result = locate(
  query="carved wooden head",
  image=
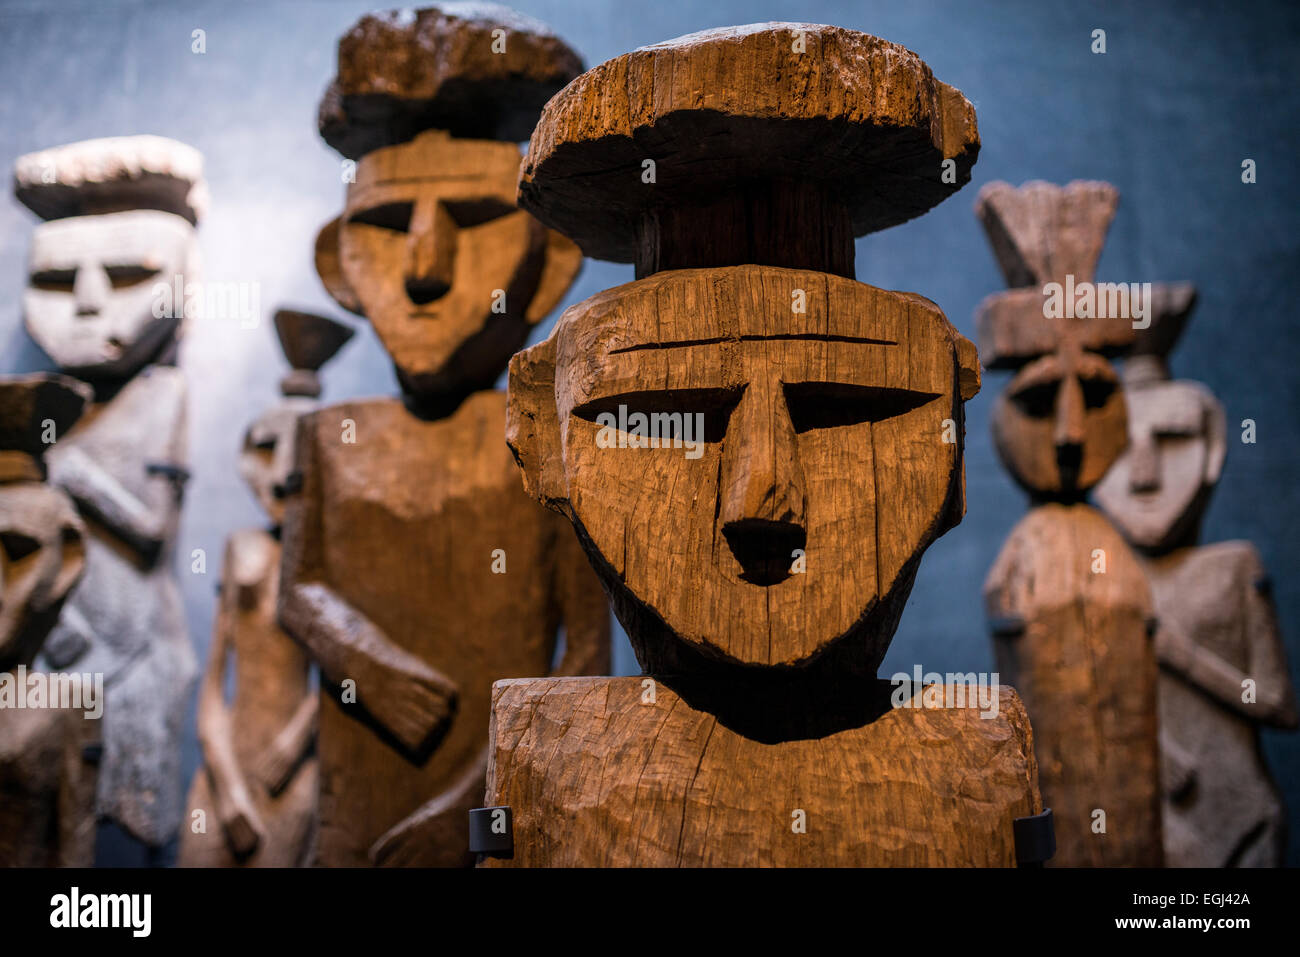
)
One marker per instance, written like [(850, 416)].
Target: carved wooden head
[(794, 474), (1161, 485), (1157, 491), (42, 551), (121, 217), (91, 300), (266, 461), (1060, 422), (754, 448), (432, 250)]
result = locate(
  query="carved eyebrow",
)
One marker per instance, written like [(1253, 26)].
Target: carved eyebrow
[(789, 336)]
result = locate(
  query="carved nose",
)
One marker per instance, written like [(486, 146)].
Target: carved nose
[(430, 253), (761, 514), (1069, 428), (1068, 433), (90, 289), (1143, 466)]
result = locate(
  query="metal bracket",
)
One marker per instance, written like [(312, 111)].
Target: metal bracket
[(1035, 839), (492, 831)]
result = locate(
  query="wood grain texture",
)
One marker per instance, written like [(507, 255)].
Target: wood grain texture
[(125, 619), (47, 775), (113, 174), (815, 426), (479, 71), (597, 776), (859, 120), (1068, 601), (47, 787), (431, 250), (1041, 231), (415, 569), (1223, 677), (388, 581), (1081, 655), (257, 790), (1223, 672), (755, 451), (256, 794)]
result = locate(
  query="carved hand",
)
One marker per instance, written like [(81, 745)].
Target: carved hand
[(435, 834), (276, 765), (412, 700), (239, 819), (142, 527)]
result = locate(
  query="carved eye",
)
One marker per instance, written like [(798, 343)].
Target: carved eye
[(54, 280), (1097, 392), (1037, 401), (666, 410), (392, 216), (18, 546), (127, 275), (476, 212), (829, 405)]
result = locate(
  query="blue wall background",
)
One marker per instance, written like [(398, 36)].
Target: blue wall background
[(1184, 93)]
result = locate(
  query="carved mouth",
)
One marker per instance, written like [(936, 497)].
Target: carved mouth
[(765, 549), (1069, 460)]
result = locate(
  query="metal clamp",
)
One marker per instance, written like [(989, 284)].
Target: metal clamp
[(492, 831), (1035, 839)]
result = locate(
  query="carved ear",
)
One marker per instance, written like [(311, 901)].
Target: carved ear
[(330, 268), (72, 562), (968, 367), (1216, 438), (968, 384), (561, 266), (532, 426)]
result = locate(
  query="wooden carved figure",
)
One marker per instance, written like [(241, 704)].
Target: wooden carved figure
[(1223, 668), (416, 570), (105, 299), (755, 450), (1069, 604), (257, 789), (49, 725)]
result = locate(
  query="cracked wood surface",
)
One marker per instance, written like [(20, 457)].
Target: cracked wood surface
[(596, 776)]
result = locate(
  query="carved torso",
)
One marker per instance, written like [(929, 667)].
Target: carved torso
[(598, 774), (270, 669), (271, 675), (127, 613), (1224, 809), (410, 516), (1074, 641)]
